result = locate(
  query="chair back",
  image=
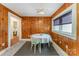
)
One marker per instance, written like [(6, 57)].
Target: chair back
[(36, 40)]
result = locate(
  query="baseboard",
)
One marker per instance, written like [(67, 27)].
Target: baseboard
[(12, 50), (26, 39), (1, 52), (59, 50)]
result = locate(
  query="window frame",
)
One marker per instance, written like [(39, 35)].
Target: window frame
[(73, 34), (61, 23)]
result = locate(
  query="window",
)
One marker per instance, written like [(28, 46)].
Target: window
[(56, 24), (67, 22), (67, 28), (64, 23), (56, 28)]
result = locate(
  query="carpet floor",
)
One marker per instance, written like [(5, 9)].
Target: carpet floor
[(25, 50)]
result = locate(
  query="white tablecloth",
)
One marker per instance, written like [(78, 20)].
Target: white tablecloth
[(46, 38)]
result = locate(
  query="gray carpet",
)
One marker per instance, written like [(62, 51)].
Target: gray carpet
[(26, 51)]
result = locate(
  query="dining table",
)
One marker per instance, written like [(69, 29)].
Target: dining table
[(45, 38), (40, 39)]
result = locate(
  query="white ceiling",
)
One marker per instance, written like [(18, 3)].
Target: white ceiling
[(29, 9)]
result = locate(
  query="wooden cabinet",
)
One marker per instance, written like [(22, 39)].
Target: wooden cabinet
[(3, 27)]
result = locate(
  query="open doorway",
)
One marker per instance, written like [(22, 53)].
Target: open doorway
[(14, 29)]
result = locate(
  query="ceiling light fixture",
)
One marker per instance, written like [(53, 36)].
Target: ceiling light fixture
[(40, 11)]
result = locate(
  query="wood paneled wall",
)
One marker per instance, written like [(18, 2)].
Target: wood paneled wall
[(4, 26), (67, 44), (32, 25)]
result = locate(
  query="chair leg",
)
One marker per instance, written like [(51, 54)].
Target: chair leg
[(31, 46), (40, 48), (34, 48), (48, 44)]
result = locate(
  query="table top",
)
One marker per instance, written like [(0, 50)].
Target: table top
[(41, 36)]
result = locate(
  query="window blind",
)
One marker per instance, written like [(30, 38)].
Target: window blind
[(67, 18), (64, 19), (57, 22)]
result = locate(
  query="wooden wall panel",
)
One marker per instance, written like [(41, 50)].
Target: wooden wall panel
[(63, 42), (1, 15), (32, 25), (67, 44), (4, 26), (26, 23)]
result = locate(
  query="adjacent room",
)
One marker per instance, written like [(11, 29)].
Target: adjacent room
[(39, 29)]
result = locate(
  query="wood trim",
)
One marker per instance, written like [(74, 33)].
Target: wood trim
[(77, 41), (36, 16)]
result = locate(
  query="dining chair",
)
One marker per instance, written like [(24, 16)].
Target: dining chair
[(34, 43), (46, 41)]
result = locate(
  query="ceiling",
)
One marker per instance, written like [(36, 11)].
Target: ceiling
[(30, 9)]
